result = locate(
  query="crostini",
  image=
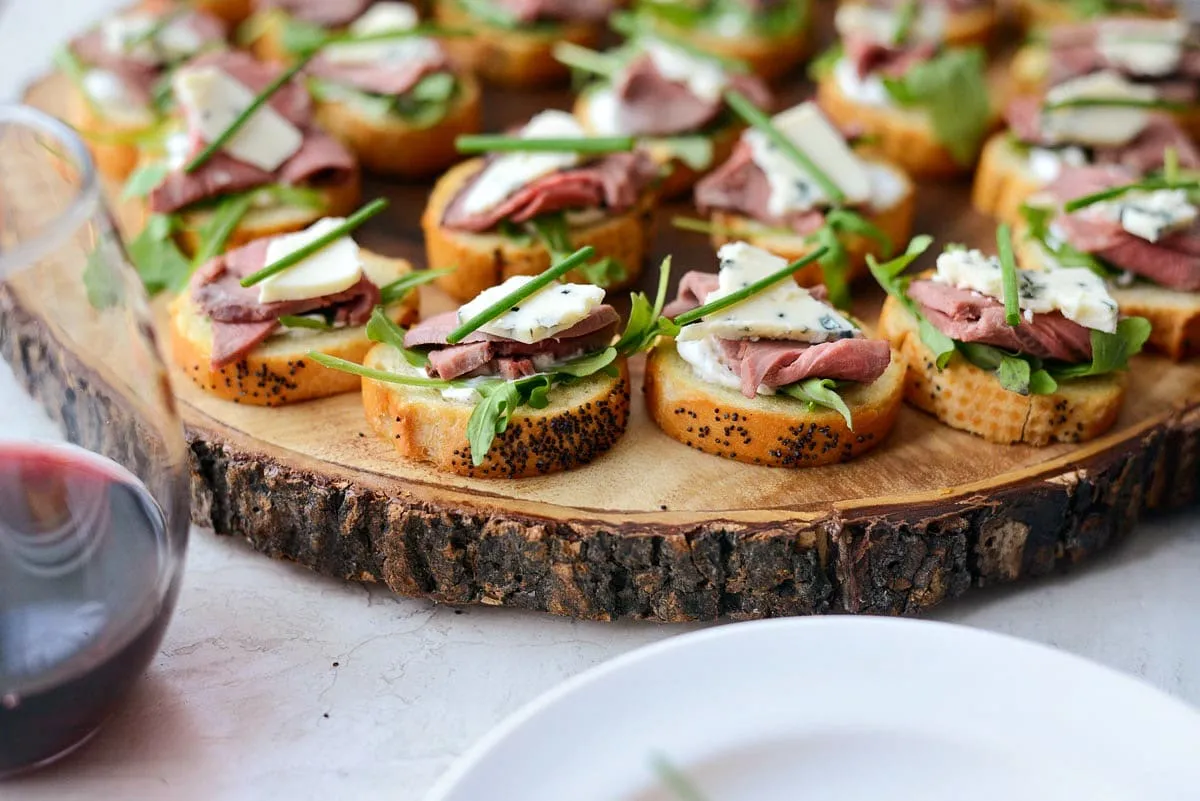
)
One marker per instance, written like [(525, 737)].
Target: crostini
[(231, 12), (923, 106), (283, 30), (526, 379), (398, 103), (1094, 119), (960, 23), (118, 72), (814, 192), (781, 379), (1010, 355), (512, 41), (541, 193), (1161, 57), (771, 36), (1143, 234), (1036, 14), (252, 344), (668, 95), (245, 163)]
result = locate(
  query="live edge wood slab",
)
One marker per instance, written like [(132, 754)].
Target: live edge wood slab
[(655, 530)]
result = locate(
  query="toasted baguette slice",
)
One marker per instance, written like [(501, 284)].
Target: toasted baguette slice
[(279, 371), (1174, 315), (392, 146), (1033, 14), (776, 431), (895, 222), (484, 260), (583, 420), (111, 144), (512, 58), (902, 136), (1003, 181), (231, 11), (339, 200), (970, 399), (677, 176)]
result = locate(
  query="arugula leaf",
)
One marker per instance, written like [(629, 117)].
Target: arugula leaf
[(554, 233), (220, 226), (585, 366), (889, 273), (381, 328), (100, 280), (491, 416), (1042, 383), (300, 196), (144, 179), (646, 323), (299, 37), (514, 233), (941, 345), (605, 272), (953, 91), (820, 392), (157, 258), (315, 323), (1110, 352), (823, 65), (427, 103), (397, 290), (836, 262)]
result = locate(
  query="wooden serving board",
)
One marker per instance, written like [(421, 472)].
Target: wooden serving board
[(656, 530)]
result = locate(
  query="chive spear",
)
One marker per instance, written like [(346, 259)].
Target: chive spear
[(295, 257), (1008, 276), (1117, 191), (519, 294), (586, 59), (745, 292), (216, 144), (757, 118), (497, 143), (353, 368), (1114, 102)]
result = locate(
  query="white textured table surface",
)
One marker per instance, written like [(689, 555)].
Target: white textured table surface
[(275, 683)]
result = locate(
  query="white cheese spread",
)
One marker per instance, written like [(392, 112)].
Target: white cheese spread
[(704, 358), (867, 91)]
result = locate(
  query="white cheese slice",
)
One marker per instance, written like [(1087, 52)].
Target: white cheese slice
[(386, 17), (881, 24), (332, 269), (1151, 48), (784, 311), (128, 35), (1077, 292), (1153, 215), (542, 315), (793, 188), (211, 100), (1096, 125), (704, 77), (509, 172), (116, 102)]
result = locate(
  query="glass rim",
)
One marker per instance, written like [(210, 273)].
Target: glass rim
[(27, 253)]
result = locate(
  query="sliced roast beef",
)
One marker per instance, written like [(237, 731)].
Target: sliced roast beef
[(694, 287), (777, 363), (528, 11), (740, 186), (1142, 154), (327, 13), (321, 159), (871, 57), (650, 104), (484, 354), (971, 317), (387, 78), (240, 322), (613, 182)]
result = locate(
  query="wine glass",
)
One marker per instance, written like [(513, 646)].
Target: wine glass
[(93, 499)]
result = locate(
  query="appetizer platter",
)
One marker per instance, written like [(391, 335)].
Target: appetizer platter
[(682, 345)]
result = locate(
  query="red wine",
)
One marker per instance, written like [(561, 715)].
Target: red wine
[(86, 589)]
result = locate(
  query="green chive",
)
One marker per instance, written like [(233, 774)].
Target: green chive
[(210, 150), (1008, 275), (585, 59), (1116, 102), (312, 323), (354, 221), (334, 363), (1171, 165), (516, 296), (496, 143), (745, 292), (387, 36), (757, 118), (397, 290), (1116, 191), (705, 227), (906, 18)]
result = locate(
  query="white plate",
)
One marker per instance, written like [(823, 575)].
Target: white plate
[(841, 709)]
